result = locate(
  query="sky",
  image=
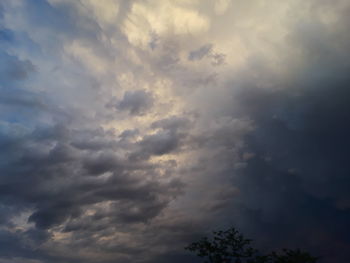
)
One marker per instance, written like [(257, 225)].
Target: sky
[(130, 128)]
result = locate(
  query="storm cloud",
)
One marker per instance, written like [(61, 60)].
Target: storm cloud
[(129, 129), (136, 102)]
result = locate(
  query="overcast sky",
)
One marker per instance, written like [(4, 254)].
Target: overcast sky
[(129, 128)]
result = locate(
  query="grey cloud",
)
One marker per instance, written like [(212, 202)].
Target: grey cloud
[(171, 134), (60, 186), (201, 52), (294, 184), (217, 59), (57, 162), (101, 164), (22, 246), (154, 41), (160, 143), (136, 102), (129, 134), (173, 123), (272, 160), (11, 68)]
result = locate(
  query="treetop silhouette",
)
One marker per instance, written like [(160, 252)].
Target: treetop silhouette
[(230, 246)]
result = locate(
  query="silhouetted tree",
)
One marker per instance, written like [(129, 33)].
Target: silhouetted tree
[(291, 256), (230, 246)]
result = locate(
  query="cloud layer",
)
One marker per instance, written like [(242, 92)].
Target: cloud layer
[(130, 128)]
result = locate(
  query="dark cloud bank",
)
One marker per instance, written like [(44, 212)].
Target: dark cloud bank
[(292, 179)]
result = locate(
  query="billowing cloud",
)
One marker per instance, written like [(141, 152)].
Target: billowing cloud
[(130, 128)]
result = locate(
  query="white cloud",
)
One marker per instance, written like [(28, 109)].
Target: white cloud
[(165, 18)]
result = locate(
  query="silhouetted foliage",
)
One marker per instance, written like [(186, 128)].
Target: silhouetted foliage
[(230, 246), (292, 256)]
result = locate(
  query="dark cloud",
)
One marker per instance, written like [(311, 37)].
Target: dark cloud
[(160, 143), (301, 144), (154, 41), (6, 35), (173, 123), (201, 52), (11, 68), (171, 135), (217, 59), (135, 102), (61, 163), (22, 244), (293, 180), (61, 186), (269, 156)]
